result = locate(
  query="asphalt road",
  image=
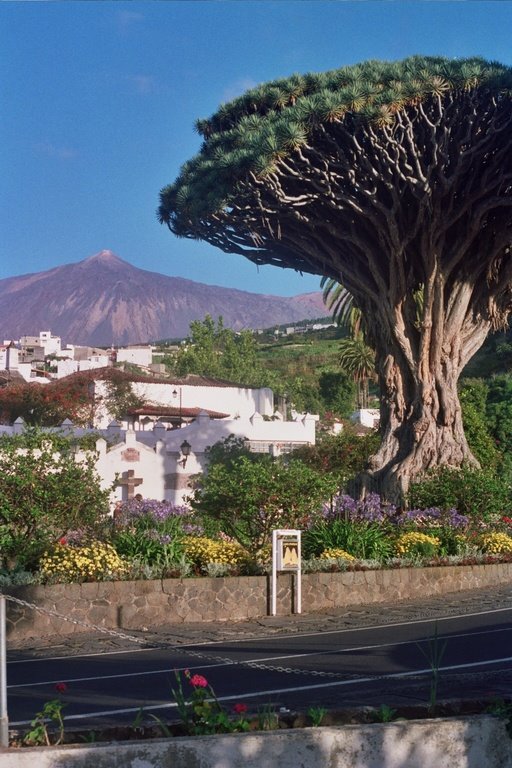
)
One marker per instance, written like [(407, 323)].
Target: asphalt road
[(304, 666)]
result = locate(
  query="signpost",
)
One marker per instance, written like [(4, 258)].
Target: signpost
[(4, 720), (286, 556)]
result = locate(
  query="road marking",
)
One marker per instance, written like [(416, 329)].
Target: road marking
[(282, 636), (264, 660), (259, 660), (275, 691)]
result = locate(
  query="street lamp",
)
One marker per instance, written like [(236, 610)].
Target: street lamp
[(185, 449), (91, 391), (175, 394)]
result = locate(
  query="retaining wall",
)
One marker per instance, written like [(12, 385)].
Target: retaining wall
[(143, 604), (472, 742)]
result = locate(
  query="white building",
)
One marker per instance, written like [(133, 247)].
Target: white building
[(142, 355), (160, 464), (9, 356), (39, 347), (183, 399)]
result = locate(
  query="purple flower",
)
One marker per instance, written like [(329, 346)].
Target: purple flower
[(131, 511), (371, 509)]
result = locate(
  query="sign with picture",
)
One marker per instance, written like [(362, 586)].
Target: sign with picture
[(286, 557)]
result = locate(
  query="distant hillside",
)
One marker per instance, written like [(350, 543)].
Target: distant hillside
[(104, 300)]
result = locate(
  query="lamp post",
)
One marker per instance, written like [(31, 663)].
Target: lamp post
[(175, 394), (91, 391), (185, 449)]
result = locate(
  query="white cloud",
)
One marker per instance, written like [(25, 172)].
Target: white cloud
[(51, 150), (237, 88), (126, 19), (143, 83)]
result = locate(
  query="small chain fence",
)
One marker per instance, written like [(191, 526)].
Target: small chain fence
[(175, 648), (185, 650), (201, 656)]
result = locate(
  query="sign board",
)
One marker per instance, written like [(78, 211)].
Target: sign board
[(288, 553), (286, 557)]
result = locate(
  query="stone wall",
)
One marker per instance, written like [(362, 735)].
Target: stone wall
[(471, 742), (138, 604)]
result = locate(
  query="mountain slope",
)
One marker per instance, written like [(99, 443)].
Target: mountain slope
[(104, 300)]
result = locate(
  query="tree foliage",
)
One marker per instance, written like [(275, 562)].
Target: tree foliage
[(392, 178), (44, 493), (251, 496), (345, 454), (213, 350), (46, 405)]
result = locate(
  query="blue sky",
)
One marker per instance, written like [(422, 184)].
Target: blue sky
[(99, 101)]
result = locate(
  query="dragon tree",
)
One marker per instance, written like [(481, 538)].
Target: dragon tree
[(394, 179)]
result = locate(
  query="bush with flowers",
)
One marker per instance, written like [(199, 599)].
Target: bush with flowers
[(416, 543), (496, 543), (361, 528), (150, 532), (447, 525), (335, 553), (92, 562), (200, 710), (201, 551)]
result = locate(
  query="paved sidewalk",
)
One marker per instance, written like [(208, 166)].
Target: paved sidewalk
[(452, 604)]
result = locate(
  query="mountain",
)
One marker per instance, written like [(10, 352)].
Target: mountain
[(103, 300)]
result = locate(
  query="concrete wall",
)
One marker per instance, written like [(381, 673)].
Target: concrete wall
[(472, 742), (138, 604)]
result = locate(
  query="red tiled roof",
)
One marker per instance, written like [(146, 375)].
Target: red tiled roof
[(168, 410)]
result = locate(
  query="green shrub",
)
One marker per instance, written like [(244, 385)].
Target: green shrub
[(366, 541), (250, 498), (345, 454), (44, 493), (479, 494)]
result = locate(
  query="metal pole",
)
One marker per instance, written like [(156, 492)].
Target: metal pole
[(273, 587), (298, 592), (4, 719)]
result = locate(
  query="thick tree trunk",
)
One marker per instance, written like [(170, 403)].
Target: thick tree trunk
[(421, 418)]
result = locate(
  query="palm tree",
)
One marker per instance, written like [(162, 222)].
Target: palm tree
[(357, 357), (341, 303), (358, 360)]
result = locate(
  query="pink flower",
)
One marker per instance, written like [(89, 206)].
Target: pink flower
[(240, 708), (61, 687), (198, 681)]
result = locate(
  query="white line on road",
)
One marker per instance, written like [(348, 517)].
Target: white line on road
[(258, 660), (281, 636), (275, 691)]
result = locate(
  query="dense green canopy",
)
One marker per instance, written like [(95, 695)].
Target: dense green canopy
[(246, 138)]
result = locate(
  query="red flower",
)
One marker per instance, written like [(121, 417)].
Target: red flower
[(240, 708), (63, 540), (61, 687), (198, 681)]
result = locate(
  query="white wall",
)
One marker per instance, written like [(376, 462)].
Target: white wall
[(156, 457), (136, 355), (236, 402)]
